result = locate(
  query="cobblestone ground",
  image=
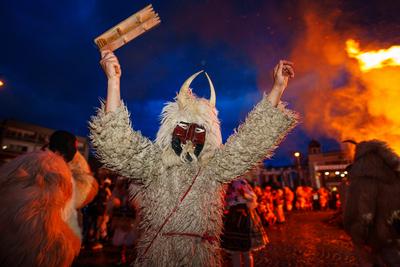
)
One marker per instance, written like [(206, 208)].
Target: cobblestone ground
[(305, 240)]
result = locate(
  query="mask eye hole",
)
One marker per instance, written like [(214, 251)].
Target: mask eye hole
[(199, 130), (183, 125)]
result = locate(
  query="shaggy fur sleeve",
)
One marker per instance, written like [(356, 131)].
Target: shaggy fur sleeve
[(256, 138), (359, 212), (121, 148)]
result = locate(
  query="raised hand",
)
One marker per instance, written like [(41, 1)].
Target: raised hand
[(282, 73), (112, 69), (109, 63)]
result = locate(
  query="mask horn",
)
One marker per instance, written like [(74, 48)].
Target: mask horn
[(185, 86), (213, 98), (350, 141)]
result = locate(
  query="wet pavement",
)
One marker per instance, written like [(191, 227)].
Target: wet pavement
[(305, 240)]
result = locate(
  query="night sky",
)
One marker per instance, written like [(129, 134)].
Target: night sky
[(50, 63)]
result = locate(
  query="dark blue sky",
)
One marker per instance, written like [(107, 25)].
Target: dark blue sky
[(50, 64)]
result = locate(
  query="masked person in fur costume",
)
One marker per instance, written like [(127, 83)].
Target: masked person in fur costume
[(372, 208), (184, 170), (40, 194)]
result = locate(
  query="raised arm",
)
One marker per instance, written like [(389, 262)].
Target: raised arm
[(117, 145), (109, 63), (264, 128)]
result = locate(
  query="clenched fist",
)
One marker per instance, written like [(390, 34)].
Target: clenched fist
[(109, 63), (282, 72)]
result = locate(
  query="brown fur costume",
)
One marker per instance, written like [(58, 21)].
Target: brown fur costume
[(372, 207), (85, 184), (37, 212)]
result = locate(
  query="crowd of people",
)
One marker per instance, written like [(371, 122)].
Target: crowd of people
[(102, 210), (178, 181), (274, 202), (112, 218)]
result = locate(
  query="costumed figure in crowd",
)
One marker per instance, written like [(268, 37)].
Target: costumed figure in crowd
[(182, 173), (41, 192), (308, 196), (270, 216), (95, 213), (243, 231), (261, 207), (372, 208), (279, 200), (334, 200), (289, 197), (301, 196), (315, 200), (259, 193), (323, 194), (123, 213)]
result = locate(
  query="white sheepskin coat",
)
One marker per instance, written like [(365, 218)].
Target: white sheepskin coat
[(165, 178)]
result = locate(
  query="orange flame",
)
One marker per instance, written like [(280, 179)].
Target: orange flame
[(338, 98), (373, 59)]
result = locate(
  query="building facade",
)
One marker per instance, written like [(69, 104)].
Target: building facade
[(275, 176), (18, 137), (317, 169), (326, 169)]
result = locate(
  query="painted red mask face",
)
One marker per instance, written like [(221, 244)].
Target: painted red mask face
[(193, 132)]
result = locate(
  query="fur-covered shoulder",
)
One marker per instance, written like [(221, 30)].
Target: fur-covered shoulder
[(79, 164), (34, 189), (86, 186), (42, 167), (379, 148), (375, 159)]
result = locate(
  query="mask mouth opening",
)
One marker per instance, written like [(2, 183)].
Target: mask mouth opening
[(188, 152), (188, 141), (188, 157)]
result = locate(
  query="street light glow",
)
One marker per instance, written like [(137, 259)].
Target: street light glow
[(296, 154), (1, 83)]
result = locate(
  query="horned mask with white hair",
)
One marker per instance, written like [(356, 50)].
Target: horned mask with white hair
[(190, 129)]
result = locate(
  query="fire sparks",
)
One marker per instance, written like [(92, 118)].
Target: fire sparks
[(373, 59)]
